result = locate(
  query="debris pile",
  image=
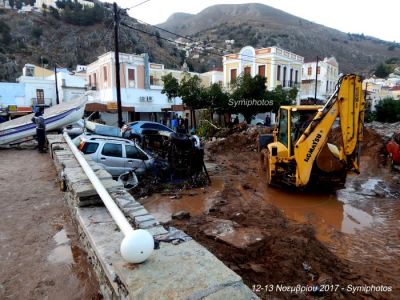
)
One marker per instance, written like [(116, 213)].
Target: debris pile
[(386, 130), (246, 139)]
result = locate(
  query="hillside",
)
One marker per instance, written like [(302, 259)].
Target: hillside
[(48, 39), (262, 26)]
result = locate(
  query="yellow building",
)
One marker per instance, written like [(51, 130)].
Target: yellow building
[(35, 71), (278, 66)]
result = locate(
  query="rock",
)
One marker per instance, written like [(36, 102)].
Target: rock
[(181, 215)]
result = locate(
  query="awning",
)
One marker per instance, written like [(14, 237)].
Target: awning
[(101, 107), (179, 107)]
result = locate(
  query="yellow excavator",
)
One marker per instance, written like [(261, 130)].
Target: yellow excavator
[(300, 156)]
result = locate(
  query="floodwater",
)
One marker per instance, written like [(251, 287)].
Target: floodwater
[(196, 201), (357, 223)]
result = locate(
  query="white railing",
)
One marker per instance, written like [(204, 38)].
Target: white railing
[(137, 245)]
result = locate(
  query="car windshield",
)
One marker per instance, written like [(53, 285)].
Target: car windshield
[(155, 126)]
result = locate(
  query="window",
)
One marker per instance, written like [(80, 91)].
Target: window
[(90, 80), (261, 71), (105, 73), (135, 153), (247, 70), (283, 127), (291, 78), (296, 76), (318, 70), (131, 77), (114, 150), (95, 80), (40, 96), (309, 71), (278, 75), (155, 126), (131, 74), (151, 80), (284, 76), (233, 75), (327, 86), (90, 148)]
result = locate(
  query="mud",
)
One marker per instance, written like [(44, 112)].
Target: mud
[(40, 253), (271, 236)]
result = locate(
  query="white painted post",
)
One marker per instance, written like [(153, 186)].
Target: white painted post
[(137, 245)]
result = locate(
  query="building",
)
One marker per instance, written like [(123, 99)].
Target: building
[(278, 66), (328, 76), (378, 89), (36, 88), (213, 76), (141, 87)]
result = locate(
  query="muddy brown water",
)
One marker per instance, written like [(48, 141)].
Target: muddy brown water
[(360, 224), (40, 254)]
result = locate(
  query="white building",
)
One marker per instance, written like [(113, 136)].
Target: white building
[(328, 76)]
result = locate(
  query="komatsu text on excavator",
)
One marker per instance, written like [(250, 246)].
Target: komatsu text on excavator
[(300, 155)]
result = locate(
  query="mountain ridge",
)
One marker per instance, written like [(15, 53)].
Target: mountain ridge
[(261, 26)]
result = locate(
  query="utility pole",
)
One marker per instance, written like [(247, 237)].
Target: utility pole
[(316, 81), (117, 71), (55, 75)]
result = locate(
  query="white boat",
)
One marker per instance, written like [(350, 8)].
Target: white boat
[(55, 117)]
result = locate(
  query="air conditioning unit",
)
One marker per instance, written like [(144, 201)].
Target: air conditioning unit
[(142, 99), (149, 99)]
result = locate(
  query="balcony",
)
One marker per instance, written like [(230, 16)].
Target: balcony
[(290, 84), (41, 101)]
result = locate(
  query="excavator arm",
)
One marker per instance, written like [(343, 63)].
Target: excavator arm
[(348, 104)]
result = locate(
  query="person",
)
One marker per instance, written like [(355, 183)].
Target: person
[(174, 124), (38, 119), (268, 121), (236, 120), (186, 123)]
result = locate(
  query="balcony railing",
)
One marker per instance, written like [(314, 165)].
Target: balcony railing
[(41, 101), (290, 84)]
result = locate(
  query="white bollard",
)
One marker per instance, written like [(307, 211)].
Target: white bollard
[(137, 245)]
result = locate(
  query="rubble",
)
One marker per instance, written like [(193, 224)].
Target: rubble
[(386, 130)]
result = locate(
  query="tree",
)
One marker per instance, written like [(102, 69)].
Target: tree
[(191, 91), (215, 99), (280, 96), (171, 86), (247, 95), (382, 70), (388, 110)]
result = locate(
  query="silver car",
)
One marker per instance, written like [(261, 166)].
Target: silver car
[(116, 155)]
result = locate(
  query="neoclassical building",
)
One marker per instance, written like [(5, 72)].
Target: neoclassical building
[(280, 67)]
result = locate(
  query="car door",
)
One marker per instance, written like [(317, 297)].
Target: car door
[(135, 159), (111, 157)]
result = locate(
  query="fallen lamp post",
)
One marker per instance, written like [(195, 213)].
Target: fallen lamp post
[(138, 244)]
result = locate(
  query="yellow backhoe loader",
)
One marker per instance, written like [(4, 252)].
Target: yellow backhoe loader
[(300, 155)]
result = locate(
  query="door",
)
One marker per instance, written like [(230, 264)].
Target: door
[(40, 97), (135, 159), (112, 159)]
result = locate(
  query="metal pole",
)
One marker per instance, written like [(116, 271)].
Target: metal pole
[(55, 74), (117, 71), (316, 82), (137, 245)]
